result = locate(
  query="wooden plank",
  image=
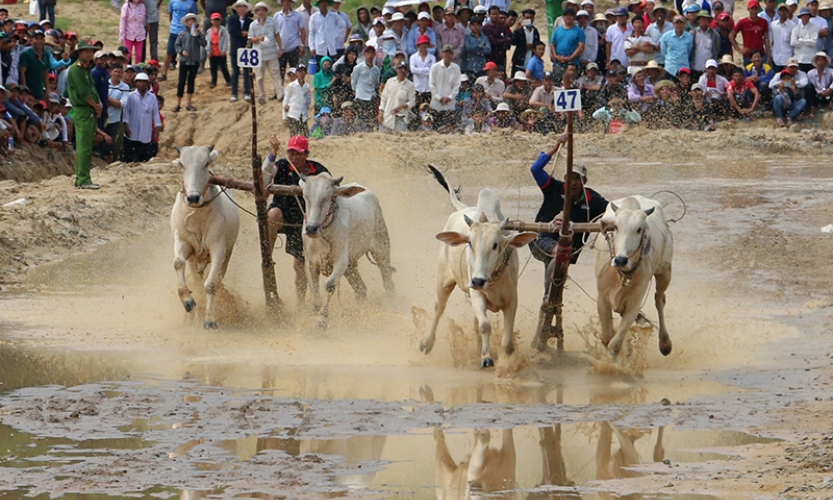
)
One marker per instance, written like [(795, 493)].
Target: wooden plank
[(249, 186), (550, 228)]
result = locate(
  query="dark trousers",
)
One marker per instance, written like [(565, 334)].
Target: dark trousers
[(297, 127), (236, 72), (152, 40), (814, 99), (135, 151), (746, 99), (187, 74), (444, 119), (289, 60), (807, 68), (47, 10), (218, 63)]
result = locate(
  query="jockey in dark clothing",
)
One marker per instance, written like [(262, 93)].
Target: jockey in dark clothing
[(587, 205)]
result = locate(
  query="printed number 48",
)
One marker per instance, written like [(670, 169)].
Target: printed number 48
[(562, 100), (249, 57)]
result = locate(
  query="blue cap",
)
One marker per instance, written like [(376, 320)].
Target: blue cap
[(32, 24), (691, 8), (804, 11), (622, 11), (326, 110)]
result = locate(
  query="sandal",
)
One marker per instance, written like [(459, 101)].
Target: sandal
[(162, 78), (177, 109), (191, 108)]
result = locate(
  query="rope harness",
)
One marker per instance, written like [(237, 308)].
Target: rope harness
[(498, 272), (202, 193), (625, 278)]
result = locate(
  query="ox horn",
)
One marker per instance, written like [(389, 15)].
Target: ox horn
[(504, 223), (211, 148), (614, 207), (483, 217), (468, 220), (337, 182), (178, 149)]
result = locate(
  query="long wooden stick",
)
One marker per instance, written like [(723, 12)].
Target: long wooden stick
[(250, 187), (551, 228)]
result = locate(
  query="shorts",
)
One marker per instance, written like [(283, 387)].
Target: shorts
[(294, 245), (171, 51)]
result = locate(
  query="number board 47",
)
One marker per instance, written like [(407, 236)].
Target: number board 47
[(567, 100)]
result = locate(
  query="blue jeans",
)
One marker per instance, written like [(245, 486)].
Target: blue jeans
[(794, 110), (237, 72), (47, 10)]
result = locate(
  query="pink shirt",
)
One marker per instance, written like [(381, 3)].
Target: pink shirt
[(132, 23)]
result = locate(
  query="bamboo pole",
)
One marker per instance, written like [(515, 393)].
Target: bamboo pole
[(249, 186), (549, 227)]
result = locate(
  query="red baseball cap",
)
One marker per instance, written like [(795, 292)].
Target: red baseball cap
[(490, 65), (216, 15), (423, 39), (298, 143), (683, 70), (753, 4), (724, 15), (785, 72)]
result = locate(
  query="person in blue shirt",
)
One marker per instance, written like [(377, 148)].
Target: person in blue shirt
[(176, 11), (566, 45), (676, 47), (535, 66), (587, 204)]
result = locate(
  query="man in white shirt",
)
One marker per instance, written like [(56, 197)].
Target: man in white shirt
[(116, 100), (293, 32), (492, 83), (616, 35), (780, 33), (296, 103), (348, 25), (444, 81), (820, 22), (324, 28), (265, 36), (658, 28), (803, 40), (141, 120), (591, 38), (421, 63), (638, 46), (398, 97), (365, 80)]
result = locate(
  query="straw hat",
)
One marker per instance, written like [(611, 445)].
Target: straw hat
[(263, 5), (600, 17), (190, 16), (664, 84), (528, 112), (820, 54), (246, 4), (727, 59), (652, 65)]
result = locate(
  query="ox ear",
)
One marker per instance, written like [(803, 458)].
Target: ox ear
[(213, 155), (614, 207), (302, 181), (452, 238), (337, 182), (468, 220), (349, 191), (178, 163), (649, 211), (519, 240)]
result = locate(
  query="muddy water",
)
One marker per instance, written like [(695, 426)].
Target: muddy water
[(155, 406)]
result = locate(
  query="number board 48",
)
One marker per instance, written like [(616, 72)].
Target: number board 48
[(248, 58), (567, 100)]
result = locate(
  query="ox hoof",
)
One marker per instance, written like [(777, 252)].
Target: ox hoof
[(322, 324), (510, 349), (486, 363), (189, 304), (665, 348), (210, 325), (425, 346)]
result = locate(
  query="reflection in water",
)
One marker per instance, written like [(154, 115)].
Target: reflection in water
[(489, 472)]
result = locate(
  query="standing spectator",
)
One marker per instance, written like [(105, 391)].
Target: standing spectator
[(676, 47), (342, 36), (152, 29), (638, 46), (47, 8), (177, 9), (375, 37), (324, 28), (787, 99), (803, 40), (535, 67), (365, 81), (820, 86), (769, 13), (743, 96), (492, 83), (293, 32), (476, 48), (132, 32), (116, 100), (306, 10), (188, 44), (600, 22), (658, 28), (518, 94), (724, 31), (364, 24), (451, 33), (323, 83), (86, 108), (218, 48), (615, 37), (826, 13), (238, 27), (706, 44), (567, 4), (591, 39), (499, 38), (296, 105), (566, 45), (211, 7), (444, 81), (141, 120), (421, 64), (34, 62), (820, 22), (421, 29), (101, 79), (755, 32), (400, 31), (780, 34), (398, 97), (717, 9), (264, 35), (524, 40)]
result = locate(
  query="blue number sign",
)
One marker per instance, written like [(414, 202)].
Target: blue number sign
[(567, 100), (248, 58)]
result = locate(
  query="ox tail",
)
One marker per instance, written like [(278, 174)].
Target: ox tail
[(453, 193)]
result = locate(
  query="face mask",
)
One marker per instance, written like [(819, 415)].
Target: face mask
[(389, 47)]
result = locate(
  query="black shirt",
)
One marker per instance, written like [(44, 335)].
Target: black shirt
[(590, 206), (287, 176)]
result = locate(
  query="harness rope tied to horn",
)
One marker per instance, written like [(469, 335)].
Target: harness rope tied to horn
[(498, 272), (202, 193)]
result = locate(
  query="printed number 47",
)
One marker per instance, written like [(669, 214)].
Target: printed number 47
[(562, 100)]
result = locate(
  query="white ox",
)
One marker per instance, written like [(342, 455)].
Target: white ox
[(637, 246), (479, 259), (205, 226), (342, 224)]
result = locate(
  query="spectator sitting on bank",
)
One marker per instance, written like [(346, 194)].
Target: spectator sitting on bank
[(517, 95), (426, 121), (347, 123), (590, 84), (492, 83), (800, 80), (664, 112), (820, 87), (323, 124), (503, 118), (760, 74), (614, 115), (696, 112), (640, 93), (654, 73), (714, 86), (787, 100), (742, 95), (531, 121), (475, 112)]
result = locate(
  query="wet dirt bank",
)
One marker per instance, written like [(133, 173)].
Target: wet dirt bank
[(158, 404)]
